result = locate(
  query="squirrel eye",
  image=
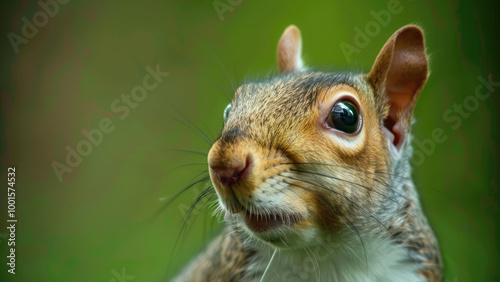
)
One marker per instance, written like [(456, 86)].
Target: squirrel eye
[(344, 117), (226, 111)]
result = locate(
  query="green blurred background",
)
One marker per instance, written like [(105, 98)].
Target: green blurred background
[(97, 221)]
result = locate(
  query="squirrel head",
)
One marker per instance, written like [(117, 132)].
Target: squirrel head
[(306, 153)]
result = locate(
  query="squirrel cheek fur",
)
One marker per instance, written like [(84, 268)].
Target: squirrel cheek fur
[(287, 181)]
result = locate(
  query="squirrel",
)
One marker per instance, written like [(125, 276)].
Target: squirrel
[(313, 177)]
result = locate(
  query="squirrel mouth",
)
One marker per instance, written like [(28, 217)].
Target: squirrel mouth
[(265, 222)]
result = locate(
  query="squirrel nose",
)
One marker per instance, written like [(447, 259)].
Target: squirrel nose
[(231, 173)]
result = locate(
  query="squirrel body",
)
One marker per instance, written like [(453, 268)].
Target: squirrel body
[(313, 176)]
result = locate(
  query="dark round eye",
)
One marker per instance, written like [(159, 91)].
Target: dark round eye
[(226, 111), (344, 117)]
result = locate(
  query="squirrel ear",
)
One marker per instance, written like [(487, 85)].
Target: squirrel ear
[(398, 75), (289, 50)]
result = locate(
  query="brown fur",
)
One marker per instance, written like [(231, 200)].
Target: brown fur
[(226, 255)]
